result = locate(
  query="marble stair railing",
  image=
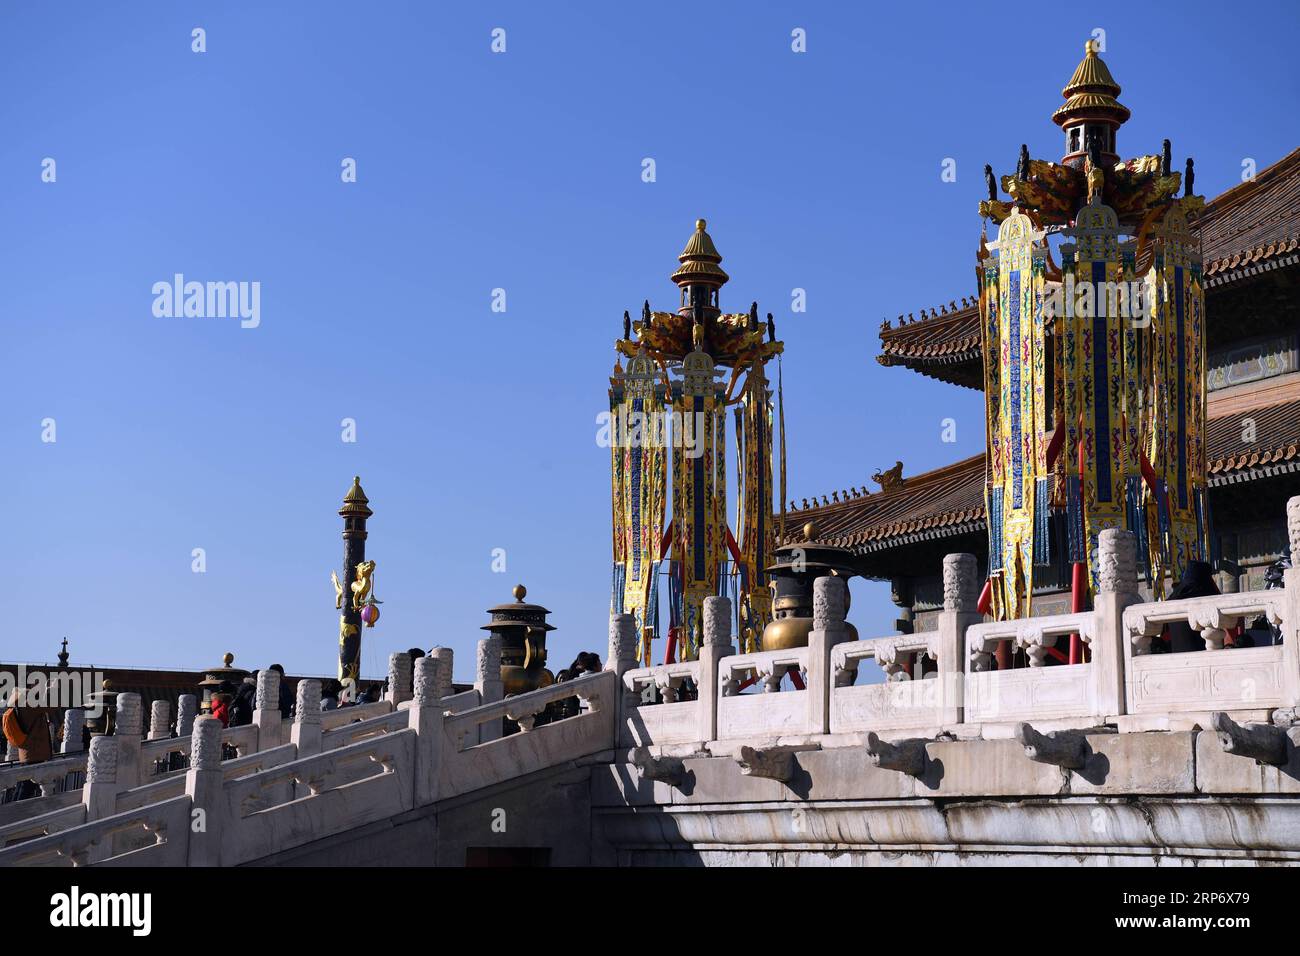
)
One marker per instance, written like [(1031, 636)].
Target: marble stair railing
[(141, 756), (303, 792)]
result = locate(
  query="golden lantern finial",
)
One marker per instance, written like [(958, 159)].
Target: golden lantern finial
[(810, 531), (228, 658), (699, 260), (520, 592)]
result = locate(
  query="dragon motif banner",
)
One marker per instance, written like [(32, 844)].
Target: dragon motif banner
[(640, 486), (699, 491), (1016, 494), (1175, 435), (754, 506), (1100, 376)]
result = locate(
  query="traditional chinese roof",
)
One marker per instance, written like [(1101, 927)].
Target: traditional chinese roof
[(1254, 226), (950, 500), (933, 504), (1250, 228), (1276, 448), (942, 344)]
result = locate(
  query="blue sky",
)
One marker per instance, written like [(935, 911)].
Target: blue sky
[(522, 171)]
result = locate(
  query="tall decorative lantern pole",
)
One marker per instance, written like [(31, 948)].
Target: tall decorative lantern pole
[(355, 511), (1094, 370), (685, 369)]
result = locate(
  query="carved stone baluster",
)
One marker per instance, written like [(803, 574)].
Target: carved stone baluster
[(1288, 609), (425, 717), (714, 677), (489, 684), (187, 708), (266, 713), (306, 732), (399, 678), (446, 659), (128, 725), (74, 723), (203, 784), (1117, 589), (160, 720)]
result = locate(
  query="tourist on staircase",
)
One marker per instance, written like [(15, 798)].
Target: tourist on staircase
[(28, 730)]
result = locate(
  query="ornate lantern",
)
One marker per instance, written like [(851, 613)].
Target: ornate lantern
[(522, 628), (797, 566)]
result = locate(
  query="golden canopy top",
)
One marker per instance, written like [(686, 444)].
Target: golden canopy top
[(355, 501), (699, 260), (1091, 88)]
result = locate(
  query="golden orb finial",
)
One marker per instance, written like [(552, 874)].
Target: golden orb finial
[(809, 531), (700, 224), (520, 592), (227, 658)]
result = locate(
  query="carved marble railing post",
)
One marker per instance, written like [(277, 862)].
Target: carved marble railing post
[(160, 720), (1291, 610), (74, 723), (622, 644), (425, 718), (488, 683), (1117, 588), (716, 646), (187, 708), (446, 659), (830, 601), (961, 587), (266, 714), (128, 725), (622, 658), (399, 678), (203, 781), (305, 734), (103, 780)]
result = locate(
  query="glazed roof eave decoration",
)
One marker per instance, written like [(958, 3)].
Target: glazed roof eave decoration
[(1250, 228), (935, 343), (949, 501)]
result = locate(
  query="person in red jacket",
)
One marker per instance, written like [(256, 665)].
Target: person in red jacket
[(221, 703)]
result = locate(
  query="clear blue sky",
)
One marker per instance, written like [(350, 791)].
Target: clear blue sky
[(476, 430)]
